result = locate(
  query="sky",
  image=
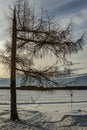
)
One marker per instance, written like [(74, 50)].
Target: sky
[(65, 11)]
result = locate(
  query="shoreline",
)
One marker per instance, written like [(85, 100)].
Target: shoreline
[(48, 88)]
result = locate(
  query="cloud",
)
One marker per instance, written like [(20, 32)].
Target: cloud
[(75, 12), (64, 10), (80, 18), (49, 4), (4, 13), (79, 21), (71, 7)]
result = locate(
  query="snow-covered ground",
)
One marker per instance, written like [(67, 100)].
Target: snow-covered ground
[(55, 110)]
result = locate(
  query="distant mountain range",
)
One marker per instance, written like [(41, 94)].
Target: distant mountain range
[(5, 82), (76, 80)]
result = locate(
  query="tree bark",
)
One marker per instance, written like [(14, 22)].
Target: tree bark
[(14, 114)]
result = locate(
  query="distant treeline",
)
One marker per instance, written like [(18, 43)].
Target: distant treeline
[(41, 88)]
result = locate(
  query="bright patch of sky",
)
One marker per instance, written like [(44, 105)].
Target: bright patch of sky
[(63, 10)]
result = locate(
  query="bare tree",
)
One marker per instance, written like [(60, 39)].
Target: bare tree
[(33, 38)]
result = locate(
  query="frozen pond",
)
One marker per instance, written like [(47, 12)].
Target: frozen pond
[(59, 98), (55, 109)]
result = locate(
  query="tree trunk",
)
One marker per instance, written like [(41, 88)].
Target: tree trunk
[(14, 114)]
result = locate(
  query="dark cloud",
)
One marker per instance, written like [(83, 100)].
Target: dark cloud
[(71, 7)]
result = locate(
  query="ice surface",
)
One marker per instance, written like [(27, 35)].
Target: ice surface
[(45, 110)]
